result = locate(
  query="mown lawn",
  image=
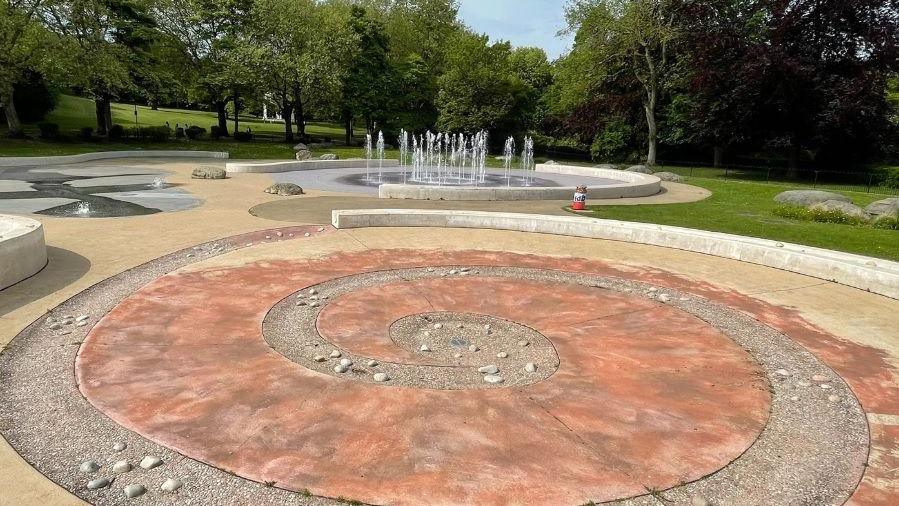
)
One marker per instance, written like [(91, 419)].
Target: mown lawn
[(747, 209)]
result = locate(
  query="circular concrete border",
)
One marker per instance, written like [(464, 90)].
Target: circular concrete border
[(30, 161), (22, 249), (37, 359), (293, 165), (872, 274), (633, 184)]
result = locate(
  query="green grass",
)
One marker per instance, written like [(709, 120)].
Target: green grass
[(73, 113), (748, 209)]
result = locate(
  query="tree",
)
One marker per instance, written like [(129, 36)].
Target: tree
[(479, 89), (100, 38), (631, 36), (532, 68), (21, 41), (368, 80)]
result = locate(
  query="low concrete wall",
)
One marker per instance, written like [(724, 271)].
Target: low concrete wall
[(292, 165), (29, 161), (872, 274), (22, 249), (632, 185)]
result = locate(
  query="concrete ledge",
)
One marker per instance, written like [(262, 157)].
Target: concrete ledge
[(22, 249), (292, 165), (30, 161), (632, 185), (867, 273)]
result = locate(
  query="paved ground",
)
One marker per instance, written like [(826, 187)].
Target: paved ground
[(853, 332)]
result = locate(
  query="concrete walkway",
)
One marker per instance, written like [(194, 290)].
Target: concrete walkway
[(85, 251)]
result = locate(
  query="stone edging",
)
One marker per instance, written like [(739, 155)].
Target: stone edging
[(23, 252), (29, 161), (292, 165), (632, 184), (866, 273)]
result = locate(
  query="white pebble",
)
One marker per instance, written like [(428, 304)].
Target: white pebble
[(665, 297), (833, 398), (372, 363), (171, 484), (493, 379), (319, 358), (452, 272), (81, 324), (55, 326), (98, 483), (523, 343), (321, 229), (502, 354), (335, 354), (119, 447), (381, 376), (82, 318), (488, 369), (307, 234), (438, 326), (782, 372), (279, 234), (346, 362), (457, 355), (134, 490), (89, 467), (121, 466), (425, 347), (150, 461), (340, 369), (472, 348), (312, 291), (530, 367)]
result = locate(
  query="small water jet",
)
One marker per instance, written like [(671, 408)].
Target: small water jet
[(158, 182), (83, 208)]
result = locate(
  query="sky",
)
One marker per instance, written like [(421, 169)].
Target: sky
[(521, 22)]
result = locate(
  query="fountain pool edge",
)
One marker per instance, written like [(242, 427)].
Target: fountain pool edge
[(23, 252)]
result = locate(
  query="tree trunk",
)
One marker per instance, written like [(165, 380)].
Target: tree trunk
[(718, 155), (795, 150), (286, 111), (236, 102), (103, 109), (652, 128), (222, 117), (348, 126), (12, 117), (299, 115)]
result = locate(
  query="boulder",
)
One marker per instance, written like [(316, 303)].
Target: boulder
[(284, 189), (886, 207), (642, 169), (550, 162), (328, 156), (208, 173), (301, 147), (607, 166), (847, 208), (304, 155), (808, 197), (668, 176)]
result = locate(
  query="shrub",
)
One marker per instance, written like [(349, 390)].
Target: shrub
[(156, 133), (243, 136), (890, 178), (215, 132), (887, 223), (116, 132), (86, 133), (817, 215), (48, 130), (194, 132), (179, 133), (613, 142)]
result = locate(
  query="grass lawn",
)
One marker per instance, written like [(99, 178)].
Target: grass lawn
[(746, 209)]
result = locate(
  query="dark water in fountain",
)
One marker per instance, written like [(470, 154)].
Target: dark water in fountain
[(491, 181), (52, 185)]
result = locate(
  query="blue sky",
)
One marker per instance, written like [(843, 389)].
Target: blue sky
[(521, 22)]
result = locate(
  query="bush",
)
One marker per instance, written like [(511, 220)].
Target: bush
[(155, 133), (817, 215), (243, 136), (215, 132), (116, 132), (49, 130), (86, 133), (890, 178), (613, 142), (194, 132), (887, 223), (179, 133)]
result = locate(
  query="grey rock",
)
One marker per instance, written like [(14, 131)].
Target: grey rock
[(550, 162), (607, 166), (502, 354), (328, 156), (304, 155), (372, 363), (301, 147), (523, 343), (833, 398), (472, 348), (438, 326), (82, 318), (98, 483), (807, 197), (488, 369), (493, 379), (89, 466), (150, 461), (782, 372), (134, 490), (341, 369), (346, 362), (312, 291), (457, 355), (425, 347), (847, 208), (668, 176), (887, 207), (171, 485), (665, 298), (381, 376), (335, 354), (319, 358), (284, 189), (698, 500), (208, 173), (642, 169), (530, 367), (55, 326), (803, 383), (121, 466), (119, 446)]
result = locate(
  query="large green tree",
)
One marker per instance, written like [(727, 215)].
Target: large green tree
[(636, 37), (22, 42)]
